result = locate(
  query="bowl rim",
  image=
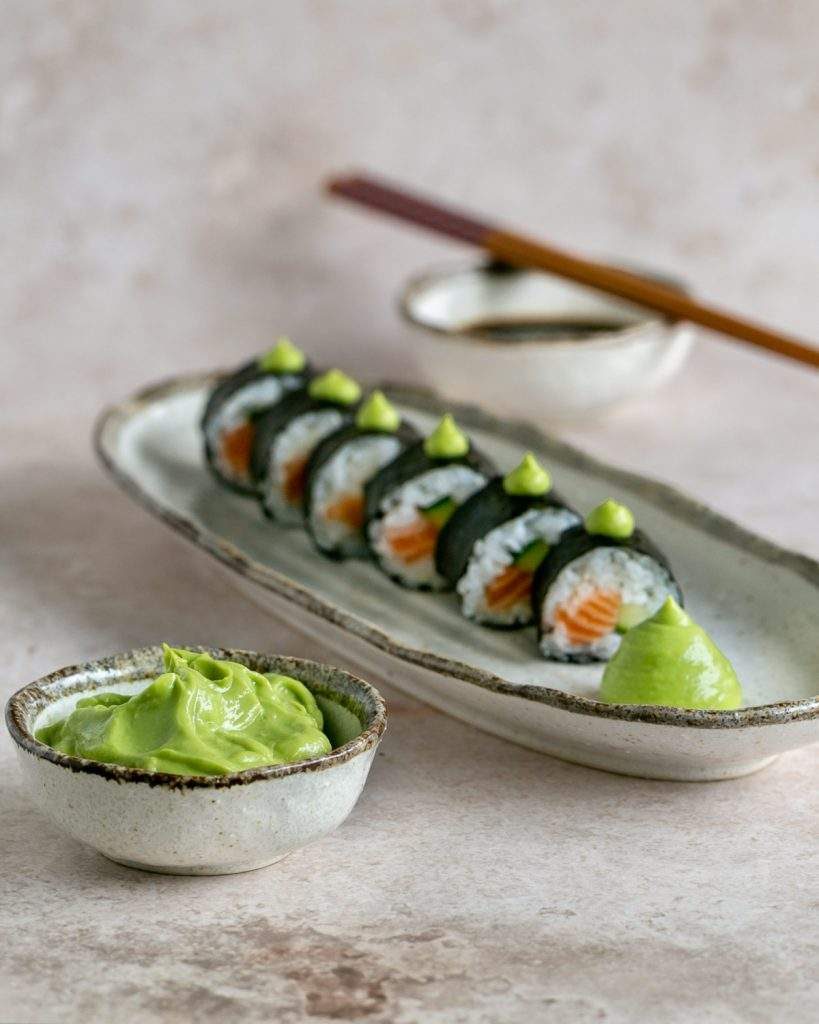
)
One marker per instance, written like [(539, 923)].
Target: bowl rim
[(605, 339), (44, 691)]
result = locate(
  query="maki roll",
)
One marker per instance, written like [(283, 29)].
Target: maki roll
[(286, 436), (604, 578), (234, 405), (409, 501), (339, 469), (492, 545)]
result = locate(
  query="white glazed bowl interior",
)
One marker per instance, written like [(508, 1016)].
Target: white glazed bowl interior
[(199, 825), (547, 378)]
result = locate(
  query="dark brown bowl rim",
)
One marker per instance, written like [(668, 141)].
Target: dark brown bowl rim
[(37, 692)]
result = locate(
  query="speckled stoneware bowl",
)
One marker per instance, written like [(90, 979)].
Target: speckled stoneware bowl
[(197, 825), (548, 375)]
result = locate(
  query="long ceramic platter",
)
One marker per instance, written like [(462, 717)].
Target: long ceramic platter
[(758, 601)]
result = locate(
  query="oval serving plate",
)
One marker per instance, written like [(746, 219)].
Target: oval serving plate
[(758, 601)]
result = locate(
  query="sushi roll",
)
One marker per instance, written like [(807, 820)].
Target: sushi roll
[(339, 469), (493, 544), (234, 405), (286, 436), (604, 578), (409, 501)]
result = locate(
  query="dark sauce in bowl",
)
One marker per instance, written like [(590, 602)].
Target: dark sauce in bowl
[(540, 330)]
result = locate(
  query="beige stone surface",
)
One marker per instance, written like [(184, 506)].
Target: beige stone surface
[(160, 211)]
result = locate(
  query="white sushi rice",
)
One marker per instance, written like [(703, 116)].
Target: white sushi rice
[(296, 441), (346, 472), (252, 398), (400, 508), (494, 552), (635, 576)]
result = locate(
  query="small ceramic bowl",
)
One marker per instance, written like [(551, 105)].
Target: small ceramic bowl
[(197, 825), (528, 344)]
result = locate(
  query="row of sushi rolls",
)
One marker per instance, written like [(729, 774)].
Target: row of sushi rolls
[(433, 512)]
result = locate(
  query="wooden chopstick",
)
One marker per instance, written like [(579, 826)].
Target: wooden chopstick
[(525, 252)]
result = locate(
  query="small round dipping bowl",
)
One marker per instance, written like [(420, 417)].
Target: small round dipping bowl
[(196, 824), (528, 344)]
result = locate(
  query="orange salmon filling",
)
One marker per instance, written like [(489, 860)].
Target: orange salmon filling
[(236, 446), (413, 542), (588, 620), (508, 588), (348, 509), (295, 473)]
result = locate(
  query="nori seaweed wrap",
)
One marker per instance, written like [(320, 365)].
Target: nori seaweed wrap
[(410, 500), (492, 545), (235, 404), (286, 436), (594, 586), (339, 470)]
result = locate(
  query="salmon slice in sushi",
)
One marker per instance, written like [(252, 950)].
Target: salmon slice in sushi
[(235, 404), (287, 435), (410, 500), (492, 545), (604, 578), (339, 469)]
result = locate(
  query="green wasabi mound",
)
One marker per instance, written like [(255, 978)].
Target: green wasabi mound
[(284, 357), (447, 440), (200, 717), (378, 413), (670, 660), (335, 386), (528, 479), (611, 519)]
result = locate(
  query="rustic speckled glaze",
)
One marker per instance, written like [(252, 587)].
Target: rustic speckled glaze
[(540, 377), (756, 599), (183, 824)]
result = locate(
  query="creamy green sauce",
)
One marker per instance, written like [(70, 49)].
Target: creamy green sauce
[(200, 717), (335, 386), (378, 413), (670, 660), (528, 478), (447, 440), (284, 357), (611, 519)]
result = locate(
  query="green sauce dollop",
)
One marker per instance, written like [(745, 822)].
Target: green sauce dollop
[(670, 660), (528, 478), (200, 717), (611, 519), (335, 386), (378, 413), (447, 440), (284, 357)]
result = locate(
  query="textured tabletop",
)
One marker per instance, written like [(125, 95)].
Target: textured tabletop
[(161, 214)]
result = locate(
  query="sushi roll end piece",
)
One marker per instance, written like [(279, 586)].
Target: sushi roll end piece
[(339, 469), (234, 405), (492, 545), (287, 435), (603, 579), (409, 501)]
